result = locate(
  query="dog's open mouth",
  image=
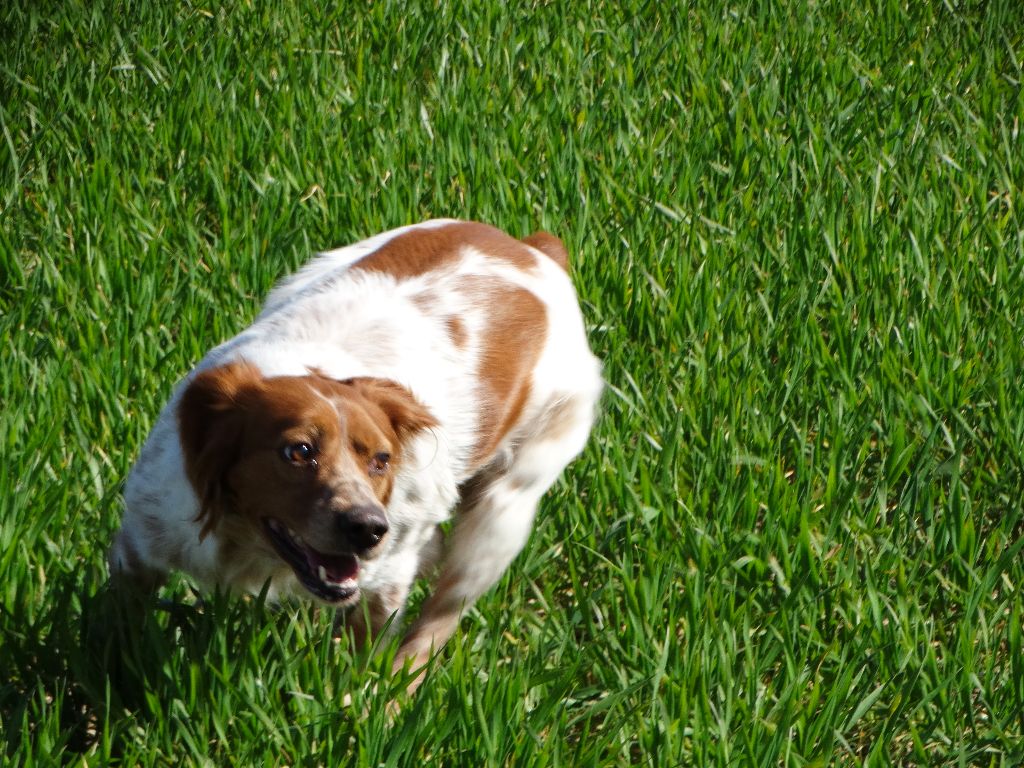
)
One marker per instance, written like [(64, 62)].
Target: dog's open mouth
[(332, 578)]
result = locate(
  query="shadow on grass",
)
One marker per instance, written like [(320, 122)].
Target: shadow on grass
[(90, 657)]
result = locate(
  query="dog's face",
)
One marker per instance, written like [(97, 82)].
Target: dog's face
[(300, 465)]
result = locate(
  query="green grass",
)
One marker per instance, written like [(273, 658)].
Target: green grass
[(796, 535)]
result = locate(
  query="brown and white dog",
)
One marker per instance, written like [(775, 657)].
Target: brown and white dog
[(434, 371)]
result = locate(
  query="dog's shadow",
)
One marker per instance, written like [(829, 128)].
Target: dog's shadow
[(109, 657), (95, 655), (82, 657)]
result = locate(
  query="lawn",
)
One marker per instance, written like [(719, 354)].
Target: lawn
[(797, 230)]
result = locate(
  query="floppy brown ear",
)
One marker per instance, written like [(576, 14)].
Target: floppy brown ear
[(406, 414), (210, 424)]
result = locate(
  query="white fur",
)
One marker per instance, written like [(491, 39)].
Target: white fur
[(355, 323)]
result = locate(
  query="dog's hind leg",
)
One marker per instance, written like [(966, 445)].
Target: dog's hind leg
[(494, 520)]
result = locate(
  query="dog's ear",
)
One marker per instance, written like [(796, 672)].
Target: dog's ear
[(406, 414), (210, 419), (550, 246)]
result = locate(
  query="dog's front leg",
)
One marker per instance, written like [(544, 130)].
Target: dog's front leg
[(129, 572), (370, 617)]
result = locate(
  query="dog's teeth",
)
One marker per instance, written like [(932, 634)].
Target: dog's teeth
[(322, 573)]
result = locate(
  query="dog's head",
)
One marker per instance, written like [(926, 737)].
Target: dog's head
[(302, 465)]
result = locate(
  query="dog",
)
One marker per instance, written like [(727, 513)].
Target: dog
[(435, 372)]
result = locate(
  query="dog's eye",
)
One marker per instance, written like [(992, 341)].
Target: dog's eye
[(299, 453), (379, 463)]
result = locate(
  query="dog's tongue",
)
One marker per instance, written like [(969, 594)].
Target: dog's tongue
[(338, 568)]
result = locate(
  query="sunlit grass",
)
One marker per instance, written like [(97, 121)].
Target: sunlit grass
[(796, 535)]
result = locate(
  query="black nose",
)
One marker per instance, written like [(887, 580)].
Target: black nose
[(362, 527)]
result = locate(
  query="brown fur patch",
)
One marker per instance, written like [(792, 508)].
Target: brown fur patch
[(210, 434), (456, 328), (456, 331), (513, 340), (424, 250), (426, 303), (402, 410), (550, 246)]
